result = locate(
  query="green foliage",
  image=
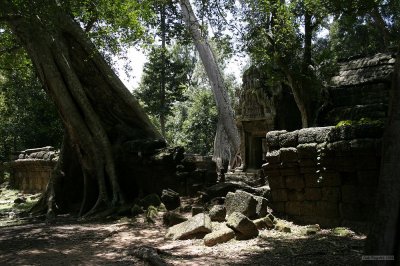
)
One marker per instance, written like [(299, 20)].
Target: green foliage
[(27, 116), (177, 64), (362, 121)]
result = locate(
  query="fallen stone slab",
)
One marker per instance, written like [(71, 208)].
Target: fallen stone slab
[(243, 226), (242, 202), (218, 213), (224, 234), (262, 208), (170, 199), (264, 223), (195, 227), (172, 218)]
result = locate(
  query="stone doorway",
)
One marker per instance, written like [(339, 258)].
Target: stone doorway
[(254, 151)]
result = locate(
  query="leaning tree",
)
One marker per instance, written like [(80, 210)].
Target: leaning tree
[(101, 118)]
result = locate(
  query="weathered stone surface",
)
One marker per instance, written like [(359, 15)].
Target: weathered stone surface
[(218, 213), (263, 223), (276, 182), (242, 202), (349, 194), (172, 218), (331, 194), (295, 182), (272, 137), (307, 151), (294, 195), (273, 157), (282, 227), (313, 134), (288, 139), (330, 179), (327, 209), (196, 210), (195, 227), (279, 195), (221, 189), (312, 193), (170, 199), (288, 154), (222, 235), (312, 229), (150, 200), (243, 226), (262, 208)]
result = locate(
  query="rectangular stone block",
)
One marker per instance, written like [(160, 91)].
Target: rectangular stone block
[(369, 177), (293, 208), (307, 151), (330, 179), (327, 209), (273, 157), (350, 194), (312, 193), (295, 195), (276, 182), (278, 206), (331, 194), (308, 208), (308, 162), (312, 180), (295, 182), (308, 170), (279, 195), (290, 171), (288, 155)]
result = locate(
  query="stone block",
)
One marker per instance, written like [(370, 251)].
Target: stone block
[(294, 208), (278, 207), (170, 199), (312, 180), (350, 194), (369, 177), (327, 209), (313, 134), (279, 195), (276, 182), (263, 223), (294, 195), (308, 208), (273, 157), (308, 170), (330, 179), (289, 139), (222, 235), (307, 151), (288, 155), (217, 213), (196, 227), (331, 194), (295, 182), (242, 202), (308, 163), (243, 226), (262, 208), (272, 138), (312, 193)]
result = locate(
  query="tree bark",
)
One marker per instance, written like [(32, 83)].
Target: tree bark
[(384, 237), (163, 70), (227, 140), (98, 112)]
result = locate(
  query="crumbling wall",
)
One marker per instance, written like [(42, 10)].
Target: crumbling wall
[(31, 170), (325, 175)]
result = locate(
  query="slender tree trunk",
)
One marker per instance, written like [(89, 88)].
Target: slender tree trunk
[(98, 112), (384, 237), (381, 26), (227, 140), (163, 62)]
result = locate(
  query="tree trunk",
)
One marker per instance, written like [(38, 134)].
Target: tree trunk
[(384, 237), (98, 112), (227, 140), (163, 66)]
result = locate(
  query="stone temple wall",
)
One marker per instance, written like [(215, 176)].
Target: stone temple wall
[(325, 175), (31, 170)]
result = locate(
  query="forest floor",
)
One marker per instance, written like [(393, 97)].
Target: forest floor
[(113, 242)]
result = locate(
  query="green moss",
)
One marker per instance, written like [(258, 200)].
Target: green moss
[(362, 121)]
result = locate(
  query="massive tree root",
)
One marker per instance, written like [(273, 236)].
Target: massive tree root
[(98, 112)]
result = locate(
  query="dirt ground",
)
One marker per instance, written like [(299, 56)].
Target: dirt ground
[(114, 242)]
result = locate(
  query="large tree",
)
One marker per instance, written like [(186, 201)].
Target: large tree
[(98, 113)]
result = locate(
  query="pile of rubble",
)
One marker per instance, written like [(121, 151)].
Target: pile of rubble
[(238, 215)]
